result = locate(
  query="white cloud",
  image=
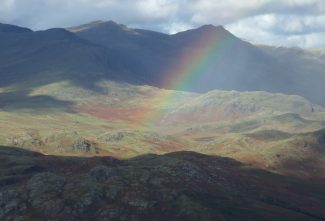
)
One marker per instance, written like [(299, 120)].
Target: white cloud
[(223, 11), (177, 27), (288, 30), (160, 9)]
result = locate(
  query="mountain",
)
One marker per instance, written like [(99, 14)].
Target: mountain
[(146, 54), (6, 28), (211, 56), (306, 66), (84, 92), (91, 130), (53, 55), (229, 64), (175, 186), (156, 55)]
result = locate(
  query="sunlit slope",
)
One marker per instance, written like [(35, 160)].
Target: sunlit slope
[(62, 118), (226, 105), (296, 154), (127, 120)]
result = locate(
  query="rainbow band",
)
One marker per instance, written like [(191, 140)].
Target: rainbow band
[(195, 61), (191, 65)]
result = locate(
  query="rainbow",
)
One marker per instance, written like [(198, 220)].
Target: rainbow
[(193, 63)]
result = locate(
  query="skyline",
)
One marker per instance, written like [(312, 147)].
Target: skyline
[(288, 23)]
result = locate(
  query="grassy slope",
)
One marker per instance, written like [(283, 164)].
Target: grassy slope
[(91, 114), (125, 120)]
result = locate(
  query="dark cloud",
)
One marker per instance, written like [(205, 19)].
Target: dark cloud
[(288, 22)]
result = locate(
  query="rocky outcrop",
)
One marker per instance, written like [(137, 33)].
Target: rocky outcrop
[(177, 186), (53, 143), (30, 139), (83, 145), (12, 205), (113, 137)]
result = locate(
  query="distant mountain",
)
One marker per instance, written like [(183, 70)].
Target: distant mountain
[(146, 54), (306, 67), (12, 29), (157, 55), (211, 56), (43, 57), (234, 64)]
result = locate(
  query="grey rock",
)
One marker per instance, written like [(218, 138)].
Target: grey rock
[(81, 195), (82, 145), (113, 137), (45, 193), (103, 173), (9, 202)]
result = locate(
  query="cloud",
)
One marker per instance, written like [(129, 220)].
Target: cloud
[(289, 30), (40, 14), (177, 27), (289, 22), (156, 9)]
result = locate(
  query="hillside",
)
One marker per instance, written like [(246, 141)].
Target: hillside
[(125, 120), (175, 186), (225, 105)]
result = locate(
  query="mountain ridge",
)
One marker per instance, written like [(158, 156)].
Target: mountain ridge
[(13, 28), (110, 51)]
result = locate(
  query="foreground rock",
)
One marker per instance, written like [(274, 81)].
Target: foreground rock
[(176, 186)]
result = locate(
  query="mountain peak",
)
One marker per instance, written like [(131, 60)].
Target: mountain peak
[(58, 33), (211, 27), (111, 25), (208, 29), (13, 28)]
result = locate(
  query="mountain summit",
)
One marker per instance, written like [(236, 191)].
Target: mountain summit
[(12, 28), (212, 56), (99, 25)]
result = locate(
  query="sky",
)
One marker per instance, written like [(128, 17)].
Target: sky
[(299, 23)]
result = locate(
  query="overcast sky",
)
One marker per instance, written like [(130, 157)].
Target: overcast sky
[(277, 22)]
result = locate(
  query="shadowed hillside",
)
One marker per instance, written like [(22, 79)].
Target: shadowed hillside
[(228, 64), (158, 55), (30, 59), (176, 186)]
